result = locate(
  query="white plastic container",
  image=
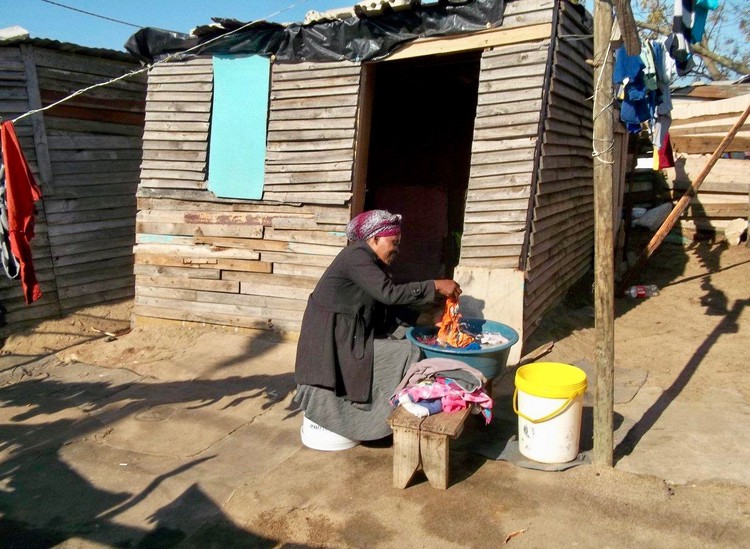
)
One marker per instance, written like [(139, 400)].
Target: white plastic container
[(549, 404), (319, 438)]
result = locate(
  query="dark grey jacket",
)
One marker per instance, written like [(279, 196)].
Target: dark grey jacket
[(335, 348)]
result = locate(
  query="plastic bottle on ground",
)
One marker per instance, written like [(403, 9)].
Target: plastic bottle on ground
[(642, 290)]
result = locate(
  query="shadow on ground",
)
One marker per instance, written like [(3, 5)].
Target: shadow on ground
[(716, 304), (665, 268), (44, 501)]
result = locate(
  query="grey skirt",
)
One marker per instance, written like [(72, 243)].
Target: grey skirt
[(362, 421)]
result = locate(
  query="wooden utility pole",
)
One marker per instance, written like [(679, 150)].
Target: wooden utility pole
[(604, 234)]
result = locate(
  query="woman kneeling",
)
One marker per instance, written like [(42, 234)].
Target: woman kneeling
[(349, 361)]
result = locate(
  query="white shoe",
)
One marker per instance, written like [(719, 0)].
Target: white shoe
[(319, 438)]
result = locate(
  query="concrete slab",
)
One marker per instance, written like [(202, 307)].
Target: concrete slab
[(185, 418), (139, 487), (627, 381), (714, 447), (62, 471), (168, 498), (346, 500), (258, 485), (17, 367), (48, 406)]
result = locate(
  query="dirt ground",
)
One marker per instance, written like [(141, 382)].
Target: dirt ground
[(682, 403)]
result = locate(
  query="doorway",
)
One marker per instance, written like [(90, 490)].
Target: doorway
[(419, 155)]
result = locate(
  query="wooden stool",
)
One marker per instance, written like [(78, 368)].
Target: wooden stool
[(423, 441)]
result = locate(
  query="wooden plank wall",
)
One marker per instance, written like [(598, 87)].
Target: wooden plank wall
[(15, 92), (94, 144), (721, 197), (235, 262), (309, 157), (698, 126), (505, 133), (561, 241)]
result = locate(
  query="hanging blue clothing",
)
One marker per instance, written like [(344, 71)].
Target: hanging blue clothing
[(702, 7), (626, 66), (637, 102)]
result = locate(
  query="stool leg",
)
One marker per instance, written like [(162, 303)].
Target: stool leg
[(405, 455), (435, 458)]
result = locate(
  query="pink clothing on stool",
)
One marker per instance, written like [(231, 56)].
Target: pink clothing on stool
[(453, 396)]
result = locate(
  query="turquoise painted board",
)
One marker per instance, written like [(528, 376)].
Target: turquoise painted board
[(155, 238), (237, 151)]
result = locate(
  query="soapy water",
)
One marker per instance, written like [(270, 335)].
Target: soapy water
[(481, 340)]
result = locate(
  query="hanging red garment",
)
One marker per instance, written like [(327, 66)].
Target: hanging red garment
[(450, 333), (666, 157), (21, 191)]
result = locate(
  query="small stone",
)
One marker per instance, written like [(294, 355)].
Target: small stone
[(734, 231)]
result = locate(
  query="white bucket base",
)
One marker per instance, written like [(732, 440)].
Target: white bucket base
[(319, 438), (555, 440)]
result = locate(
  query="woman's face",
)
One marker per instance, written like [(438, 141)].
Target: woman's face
[(386, 247)]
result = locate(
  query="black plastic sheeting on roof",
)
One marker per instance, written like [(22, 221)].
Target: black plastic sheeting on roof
[(354, 39)]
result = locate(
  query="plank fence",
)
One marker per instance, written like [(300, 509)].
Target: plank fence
[(86, 155)]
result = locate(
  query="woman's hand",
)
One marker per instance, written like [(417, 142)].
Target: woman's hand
[(448, 288)]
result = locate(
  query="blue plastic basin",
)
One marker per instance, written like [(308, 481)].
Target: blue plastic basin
[(490, 360)]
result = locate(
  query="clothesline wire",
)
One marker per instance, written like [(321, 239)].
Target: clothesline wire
[(149, 66), (609, 143), (92, 14)]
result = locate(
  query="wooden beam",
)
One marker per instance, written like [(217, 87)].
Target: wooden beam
[(37, 120), (362, 145), (696, 111), (704, 144), (708, 91), (474, 41), (604, 235)]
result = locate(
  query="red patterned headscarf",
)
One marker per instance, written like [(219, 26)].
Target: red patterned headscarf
[(373, 223)]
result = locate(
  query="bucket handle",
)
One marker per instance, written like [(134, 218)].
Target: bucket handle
[(541, 419)]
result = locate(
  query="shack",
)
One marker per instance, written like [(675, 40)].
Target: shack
[(86, 155), (478, 133)]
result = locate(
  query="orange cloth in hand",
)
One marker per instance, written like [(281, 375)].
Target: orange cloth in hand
[(450, 333)]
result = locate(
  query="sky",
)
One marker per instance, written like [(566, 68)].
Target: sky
[(47, 20)]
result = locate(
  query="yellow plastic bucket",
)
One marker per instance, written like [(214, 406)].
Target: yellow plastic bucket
[(548, 400)]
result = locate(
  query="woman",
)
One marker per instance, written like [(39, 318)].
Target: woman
[(347, 365)]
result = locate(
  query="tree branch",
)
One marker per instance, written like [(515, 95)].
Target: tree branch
[(628, 29), (722, 60)]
